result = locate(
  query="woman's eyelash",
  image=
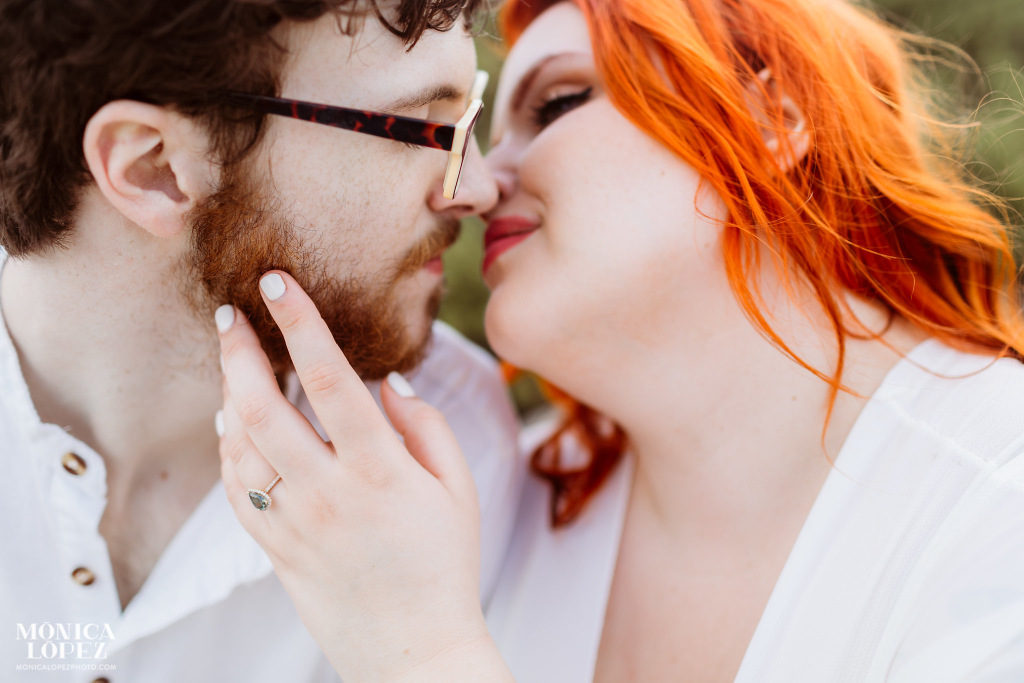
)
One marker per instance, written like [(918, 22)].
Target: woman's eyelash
[(551, 109)]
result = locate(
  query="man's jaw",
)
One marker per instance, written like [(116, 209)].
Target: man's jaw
[(240, 233)]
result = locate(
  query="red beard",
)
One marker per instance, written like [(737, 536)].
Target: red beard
[(238, 236)]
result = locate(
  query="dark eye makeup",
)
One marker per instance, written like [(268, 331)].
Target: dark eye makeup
[(549, 110)]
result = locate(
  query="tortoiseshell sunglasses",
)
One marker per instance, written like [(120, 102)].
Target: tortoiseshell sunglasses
[(454, 139)]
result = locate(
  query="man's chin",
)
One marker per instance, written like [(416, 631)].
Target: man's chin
[(398, 346), (418, 336), (371, 369)]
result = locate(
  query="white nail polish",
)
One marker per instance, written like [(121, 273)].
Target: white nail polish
[(401, 385), (218, 422), (272, 286), (224, 316)]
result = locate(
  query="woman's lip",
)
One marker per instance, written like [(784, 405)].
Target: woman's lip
[(504, 233), (501, 228), (497, 247)]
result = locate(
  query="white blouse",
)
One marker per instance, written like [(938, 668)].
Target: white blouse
[(909, 567)]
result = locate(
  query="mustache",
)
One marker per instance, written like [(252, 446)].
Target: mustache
[(429, 247)]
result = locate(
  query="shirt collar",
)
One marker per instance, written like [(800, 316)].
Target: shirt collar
[(15, 399), (209, 557)]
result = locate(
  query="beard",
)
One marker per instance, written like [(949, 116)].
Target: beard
[(239, 233)]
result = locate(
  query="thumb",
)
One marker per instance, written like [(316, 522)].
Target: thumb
[(428, 438)]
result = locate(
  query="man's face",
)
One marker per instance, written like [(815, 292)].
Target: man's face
[(359, 221)]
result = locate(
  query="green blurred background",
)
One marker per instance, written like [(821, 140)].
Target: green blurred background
[(990, 31)]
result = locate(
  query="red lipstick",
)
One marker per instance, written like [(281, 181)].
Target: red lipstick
[(503, 234)]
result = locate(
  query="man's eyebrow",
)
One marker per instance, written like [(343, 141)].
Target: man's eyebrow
[(429, 95)]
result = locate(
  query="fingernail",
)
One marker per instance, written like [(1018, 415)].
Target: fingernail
[(272, 285), (218, 422), (224, 316), (221, 358), (401, 385)]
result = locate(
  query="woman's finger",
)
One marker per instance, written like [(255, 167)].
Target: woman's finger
[(241, 466), (428, 438), (279, 432), (254, 470), (338, 396)]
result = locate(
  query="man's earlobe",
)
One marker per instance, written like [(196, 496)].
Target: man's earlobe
[(791, 143), (151, 164)]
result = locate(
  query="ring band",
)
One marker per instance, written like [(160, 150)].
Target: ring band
[(260, 498)]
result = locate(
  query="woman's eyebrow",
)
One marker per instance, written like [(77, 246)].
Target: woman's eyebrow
[(524, 84), (527, 80)]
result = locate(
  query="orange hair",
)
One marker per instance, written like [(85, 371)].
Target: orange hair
[(878, 207)]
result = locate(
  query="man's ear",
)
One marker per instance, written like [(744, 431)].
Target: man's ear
[(153, 165), (790, 146)]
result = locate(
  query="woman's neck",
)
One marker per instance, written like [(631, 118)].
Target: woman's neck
[(727, 445)]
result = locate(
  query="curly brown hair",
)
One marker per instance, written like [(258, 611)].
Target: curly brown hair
[(61, 61)]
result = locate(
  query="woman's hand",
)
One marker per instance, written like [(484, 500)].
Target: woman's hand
[(376, 541)]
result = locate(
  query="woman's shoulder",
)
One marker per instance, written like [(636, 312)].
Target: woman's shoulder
[(970, 405), (915, 546), (961, 611), (939, 362), (962, 617), (950, 425)]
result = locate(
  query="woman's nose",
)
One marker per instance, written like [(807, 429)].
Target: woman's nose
[(502, 169)]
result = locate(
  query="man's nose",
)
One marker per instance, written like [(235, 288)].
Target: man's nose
[(477, 191)]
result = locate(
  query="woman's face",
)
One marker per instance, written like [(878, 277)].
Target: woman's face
[(619, 256)]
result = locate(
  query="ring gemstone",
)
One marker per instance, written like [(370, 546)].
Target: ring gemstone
[(260, 499)]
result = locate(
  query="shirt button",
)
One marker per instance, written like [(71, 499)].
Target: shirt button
[(73, 463), (83, 576)]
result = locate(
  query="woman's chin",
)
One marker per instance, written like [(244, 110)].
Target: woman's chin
[(508, 332)]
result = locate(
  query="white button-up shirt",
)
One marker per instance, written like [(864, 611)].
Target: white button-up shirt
[(908, 569), (212, 608)]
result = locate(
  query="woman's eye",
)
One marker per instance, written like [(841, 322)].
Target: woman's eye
[(551, 109)]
